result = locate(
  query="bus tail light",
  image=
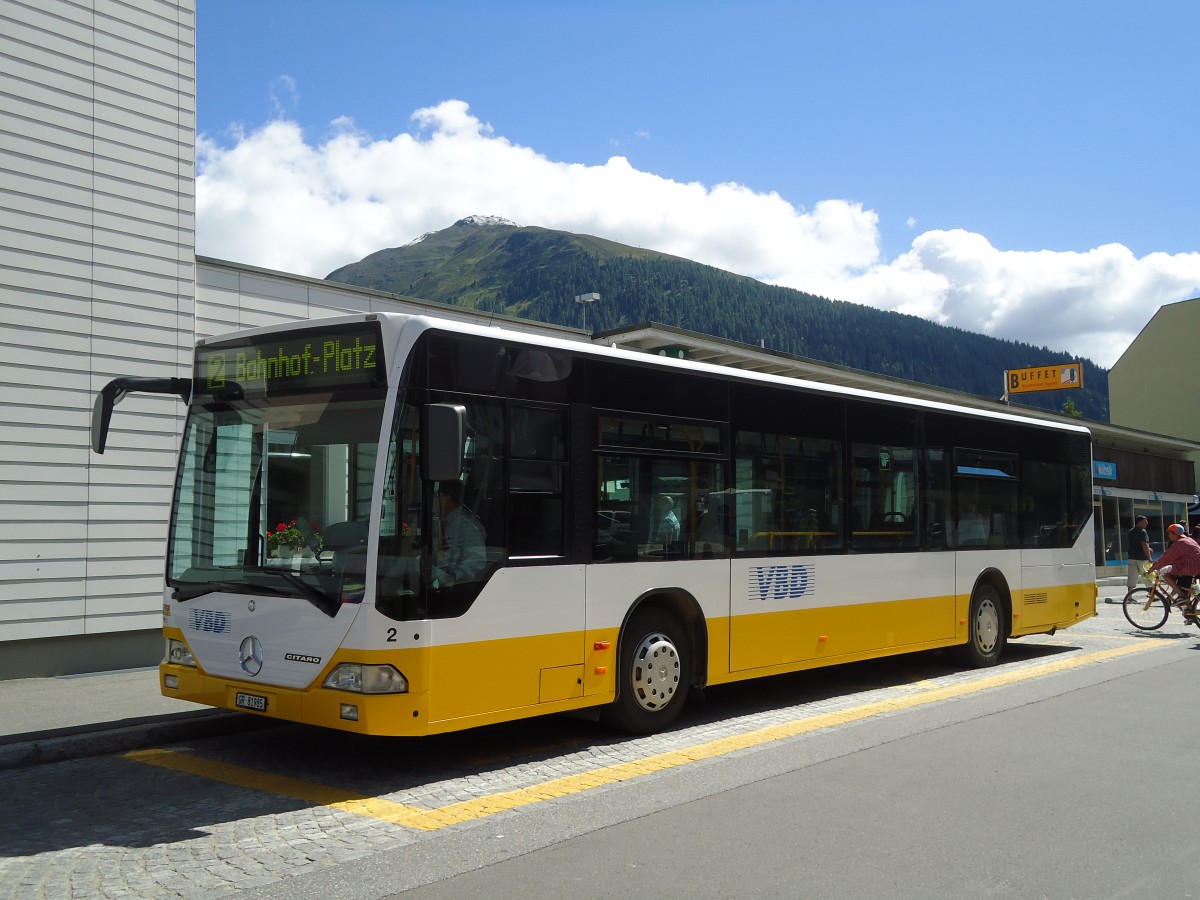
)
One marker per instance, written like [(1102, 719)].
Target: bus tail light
[(367, 679), (179, 654)]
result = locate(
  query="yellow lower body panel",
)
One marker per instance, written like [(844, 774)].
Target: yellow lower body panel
[(839, 632), (1044, 609), (377, 714), (390, 714), (477, 684), (453, 687)]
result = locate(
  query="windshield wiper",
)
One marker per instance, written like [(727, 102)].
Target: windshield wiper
[(297, 585), (313, 595), (187, 591)]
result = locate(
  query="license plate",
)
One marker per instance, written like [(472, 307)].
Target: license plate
[(250, 701)]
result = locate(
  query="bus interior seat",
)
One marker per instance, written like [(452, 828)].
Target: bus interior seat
[(345, 539)]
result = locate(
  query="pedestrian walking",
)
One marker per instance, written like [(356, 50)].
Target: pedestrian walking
[(1138, 541)]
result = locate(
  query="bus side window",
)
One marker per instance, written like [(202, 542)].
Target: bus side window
[(537, 474), (985, 498), (787, 497), (484, 476), (652, 508)]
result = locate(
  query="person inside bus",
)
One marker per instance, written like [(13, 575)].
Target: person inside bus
[(972, 527), (462, 554), (664, 522), (808, 531), (1183, 556), (711, 528)]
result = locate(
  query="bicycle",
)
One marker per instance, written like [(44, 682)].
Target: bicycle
[(1148, 608)]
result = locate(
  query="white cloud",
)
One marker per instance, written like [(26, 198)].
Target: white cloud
[(284, 95), (272, 199), (1090, 304)]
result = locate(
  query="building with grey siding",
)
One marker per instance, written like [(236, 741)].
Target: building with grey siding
[(97, 276)]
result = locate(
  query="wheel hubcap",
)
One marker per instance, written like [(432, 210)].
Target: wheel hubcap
[(987, 626), (656, 672)]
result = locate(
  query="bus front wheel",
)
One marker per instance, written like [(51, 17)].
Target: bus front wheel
[(654, 674), (985, 624)]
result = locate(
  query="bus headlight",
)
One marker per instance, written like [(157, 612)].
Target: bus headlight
[(179, 654), (367, 679)]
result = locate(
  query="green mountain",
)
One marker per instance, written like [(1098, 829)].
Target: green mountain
[(535, 273)]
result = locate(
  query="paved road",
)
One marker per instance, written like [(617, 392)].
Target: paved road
[(1083, 794), (904, 776)]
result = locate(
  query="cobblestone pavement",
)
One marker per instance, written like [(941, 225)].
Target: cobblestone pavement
[(235, 812)]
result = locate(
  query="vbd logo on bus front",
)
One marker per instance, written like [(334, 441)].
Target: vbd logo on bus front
[(209, 620), (780, 582)]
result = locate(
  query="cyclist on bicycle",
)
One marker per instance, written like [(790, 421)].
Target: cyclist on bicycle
[(1183, 556)]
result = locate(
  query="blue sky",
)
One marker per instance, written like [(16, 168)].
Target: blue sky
[(1021, 169)]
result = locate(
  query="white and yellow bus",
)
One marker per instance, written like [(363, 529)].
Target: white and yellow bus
[(631, 527)]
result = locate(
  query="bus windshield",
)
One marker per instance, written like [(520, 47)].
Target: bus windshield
[(270, 490)]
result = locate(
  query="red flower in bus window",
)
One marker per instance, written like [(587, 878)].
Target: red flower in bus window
[(287, 536)]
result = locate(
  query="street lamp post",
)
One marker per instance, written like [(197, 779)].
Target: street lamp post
[(583, 300)]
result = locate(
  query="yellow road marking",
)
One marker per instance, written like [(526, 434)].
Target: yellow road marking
[(919, 682), (281, 785), (481, 807)]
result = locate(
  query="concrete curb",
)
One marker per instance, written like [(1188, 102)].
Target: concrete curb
[(21, 750)]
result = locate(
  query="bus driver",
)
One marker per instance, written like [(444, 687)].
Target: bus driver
[(462, 556)]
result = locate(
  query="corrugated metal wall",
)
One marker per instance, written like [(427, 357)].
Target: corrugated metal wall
[(97, 261)]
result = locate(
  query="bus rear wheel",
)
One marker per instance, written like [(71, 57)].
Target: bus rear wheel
[(985, 624), (654, 674)]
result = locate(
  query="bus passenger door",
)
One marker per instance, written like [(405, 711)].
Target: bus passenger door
[(519, 640)]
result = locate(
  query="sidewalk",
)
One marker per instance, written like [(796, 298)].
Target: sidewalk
[(68, 716)]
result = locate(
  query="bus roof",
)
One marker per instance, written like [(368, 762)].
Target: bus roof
[(642, 358), (415, 323)]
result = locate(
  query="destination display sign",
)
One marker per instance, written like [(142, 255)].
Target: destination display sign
[(1043, 378), (293, 362)]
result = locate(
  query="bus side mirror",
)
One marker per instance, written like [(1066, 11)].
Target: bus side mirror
[(101, 416), (114, 392), (442, 442)]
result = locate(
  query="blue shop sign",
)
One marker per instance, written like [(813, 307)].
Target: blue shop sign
[(1106, 471)]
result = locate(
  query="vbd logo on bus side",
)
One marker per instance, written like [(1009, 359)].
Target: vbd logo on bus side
[(780, 582), (209, 620)]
